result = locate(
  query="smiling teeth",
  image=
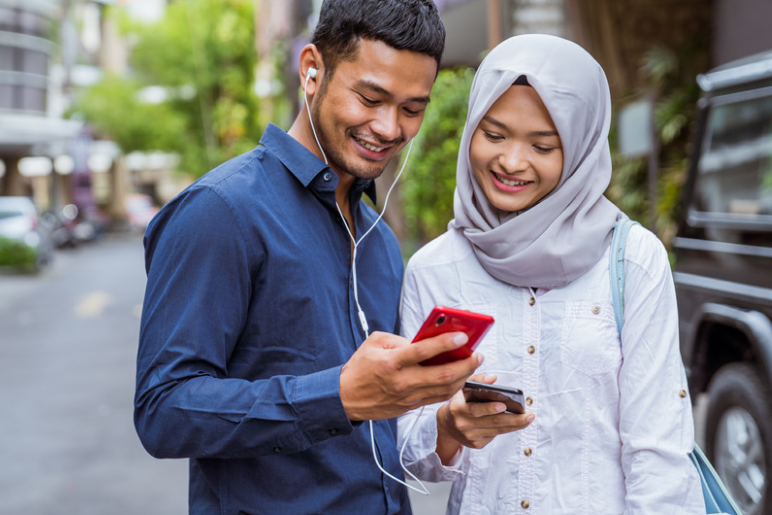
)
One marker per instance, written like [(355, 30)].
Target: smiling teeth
[(369, 146), (508, 182)]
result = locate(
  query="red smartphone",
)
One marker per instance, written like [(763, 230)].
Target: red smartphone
[(444, 320)]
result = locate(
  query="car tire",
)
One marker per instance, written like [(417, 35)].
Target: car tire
[(738, 435)]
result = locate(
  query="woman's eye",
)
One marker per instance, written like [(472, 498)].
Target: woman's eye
[(369, 101), (492, 137), (543, 150)]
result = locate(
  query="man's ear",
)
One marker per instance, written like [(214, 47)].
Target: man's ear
[(310, 69)]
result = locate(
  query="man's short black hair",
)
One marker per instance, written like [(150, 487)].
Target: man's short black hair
[(402, 24)]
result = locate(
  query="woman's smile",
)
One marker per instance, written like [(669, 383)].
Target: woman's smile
[(509, 185)]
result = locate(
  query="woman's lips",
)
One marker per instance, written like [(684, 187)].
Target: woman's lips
[(509, 185)]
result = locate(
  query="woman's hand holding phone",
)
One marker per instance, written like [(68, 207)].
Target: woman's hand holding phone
[(474, 424)]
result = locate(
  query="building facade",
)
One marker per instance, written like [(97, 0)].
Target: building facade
[(29, 126)]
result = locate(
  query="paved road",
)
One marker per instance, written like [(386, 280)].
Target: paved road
[(68, 342), (67, 348)]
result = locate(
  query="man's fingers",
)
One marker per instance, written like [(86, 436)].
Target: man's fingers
[(430, 347), (441, 381), (387, 340)]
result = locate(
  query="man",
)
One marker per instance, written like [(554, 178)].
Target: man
[(253, 360)]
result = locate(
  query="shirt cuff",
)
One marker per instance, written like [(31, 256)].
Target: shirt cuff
[(433, 462), (316, 398)]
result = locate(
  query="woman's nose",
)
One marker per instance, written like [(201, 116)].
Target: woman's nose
[(514, 158)]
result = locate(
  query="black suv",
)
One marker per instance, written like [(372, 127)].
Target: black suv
[(723, 275)]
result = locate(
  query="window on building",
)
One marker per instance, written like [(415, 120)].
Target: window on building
[(24, 90)]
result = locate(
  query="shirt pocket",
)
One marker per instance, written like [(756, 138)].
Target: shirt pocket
[(589, 341)]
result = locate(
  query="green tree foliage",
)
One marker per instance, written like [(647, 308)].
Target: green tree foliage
[(113, 109), (670, 75), (203, 54), (427, 192)]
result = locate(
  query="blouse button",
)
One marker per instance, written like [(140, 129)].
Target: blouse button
[(532, 301), (277, 450), (682, 393), (527, 451), (596, 310), (525, 504), (531, 349), (529, 401)]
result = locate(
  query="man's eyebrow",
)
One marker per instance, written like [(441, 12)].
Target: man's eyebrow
[(372, 86), (502, 126)]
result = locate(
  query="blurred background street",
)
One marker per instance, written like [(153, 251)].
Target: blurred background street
[(69, 340)]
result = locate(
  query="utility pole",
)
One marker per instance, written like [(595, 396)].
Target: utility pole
[(495, 34)]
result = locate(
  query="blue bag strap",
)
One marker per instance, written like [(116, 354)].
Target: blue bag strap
[(616, 268), (717, 498)]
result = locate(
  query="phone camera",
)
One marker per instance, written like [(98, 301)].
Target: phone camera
[(441, 319)]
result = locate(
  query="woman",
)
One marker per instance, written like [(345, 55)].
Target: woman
[(608, 426)]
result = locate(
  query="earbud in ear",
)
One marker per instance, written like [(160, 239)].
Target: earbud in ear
[(311, 73)]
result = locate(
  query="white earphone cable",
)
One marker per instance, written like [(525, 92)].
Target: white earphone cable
[(310, 74), (360, 312)]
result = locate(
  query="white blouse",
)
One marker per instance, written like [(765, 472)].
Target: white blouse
[(613, 425)]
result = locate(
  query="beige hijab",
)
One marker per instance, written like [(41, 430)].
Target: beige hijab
[(560, 238)]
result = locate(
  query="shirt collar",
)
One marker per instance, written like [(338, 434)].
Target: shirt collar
[(302, 163)]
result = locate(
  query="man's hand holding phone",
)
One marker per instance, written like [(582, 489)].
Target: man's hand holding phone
[(474, 424), (384, 378)]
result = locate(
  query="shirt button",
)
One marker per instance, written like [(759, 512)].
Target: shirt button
[(327, 176), (525, 504), (531, 349), (333, 432), (531, 301), (529, 401), (596, 310), (682, 393), (527, 451), (277, 450)]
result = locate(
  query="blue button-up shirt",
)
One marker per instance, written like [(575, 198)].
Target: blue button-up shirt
[(249, 315)]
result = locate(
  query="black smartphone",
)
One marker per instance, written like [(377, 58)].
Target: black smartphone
[(482, 392)]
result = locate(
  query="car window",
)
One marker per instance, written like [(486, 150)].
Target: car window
[(735, 169), (9, 214)]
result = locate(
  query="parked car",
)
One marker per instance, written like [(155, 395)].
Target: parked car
[(139, 210), (723, 275), (23, 241)]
